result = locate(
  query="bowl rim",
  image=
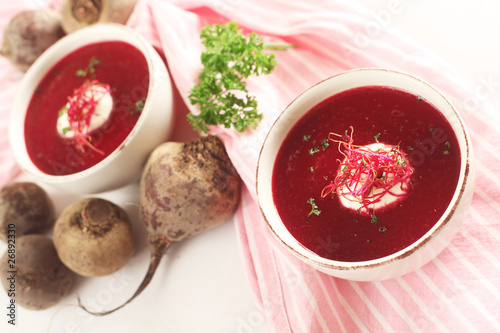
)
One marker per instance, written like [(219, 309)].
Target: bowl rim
[(316, 260), (96, 33)]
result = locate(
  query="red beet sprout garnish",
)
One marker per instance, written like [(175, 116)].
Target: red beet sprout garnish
[(80, 108), (367, 175)]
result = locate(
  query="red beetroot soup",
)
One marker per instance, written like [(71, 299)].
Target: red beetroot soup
[(120, 66), (308, 161)]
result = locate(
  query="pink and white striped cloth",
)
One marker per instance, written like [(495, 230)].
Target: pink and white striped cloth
[(459, 291)]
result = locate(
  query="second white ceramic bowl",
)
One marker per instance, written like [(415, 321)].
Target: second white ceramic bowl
[(413, 256), (153, 127)]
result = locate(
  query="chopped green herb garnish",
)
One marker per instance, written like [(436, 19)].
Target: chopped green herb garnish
[(306, 137), (431, 130), (325, 144), (411, 148), (139, 106), (445, 152), (313, 150), (447, 144), (314, 207), (382, 229), (62, 110), (65, 130), (374, 219), (312, 169), (90, 68), (376, 137)]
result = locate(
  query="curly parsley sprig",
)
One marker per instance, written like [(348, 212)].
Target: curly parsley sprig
[(221, 94)]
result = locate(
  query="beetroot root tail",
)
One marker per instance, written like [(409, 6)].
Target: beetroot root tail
[(160, 247)]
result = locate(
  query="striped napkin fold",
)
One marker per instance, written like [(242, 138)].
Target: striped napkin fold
[(459, 291)]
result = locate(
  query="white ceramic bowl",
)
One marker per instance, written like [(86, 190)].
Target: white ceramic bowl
[(413, 256), (153, 127)]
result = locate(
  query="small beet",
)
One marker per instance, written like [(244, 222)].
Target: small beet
[(185, 189), (36, 278), (93, 237), (25, 208), (29, 34), (77, 14)]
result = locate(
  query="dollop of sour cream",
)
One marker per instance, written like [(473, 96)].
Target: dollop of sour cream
[(99, 103), (395, 194)]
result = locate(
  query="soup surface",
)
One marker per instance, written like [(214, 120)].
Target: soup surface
[(308, 161), (119, 66)]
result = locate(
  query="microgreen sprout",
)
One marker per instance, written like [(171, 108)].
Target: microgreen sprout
[(80, 108), (364, 170)]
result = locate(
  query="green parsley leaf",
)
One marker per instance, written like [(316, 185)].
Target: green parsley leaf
[(376, 137), (374, 219), (221, 93)]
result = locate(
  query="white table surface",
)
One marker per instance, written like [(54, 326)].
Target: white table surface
[(201, 285)]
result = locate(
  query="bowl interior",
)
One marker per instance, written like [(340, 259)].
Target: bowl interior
[(93, 34), (310, 98)]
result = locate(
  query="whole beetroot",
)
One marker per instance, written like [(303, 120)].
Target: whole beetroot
[(35, 277), (77, 14), (25, 208), (185, 188), (93, 237), (29, 34)]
